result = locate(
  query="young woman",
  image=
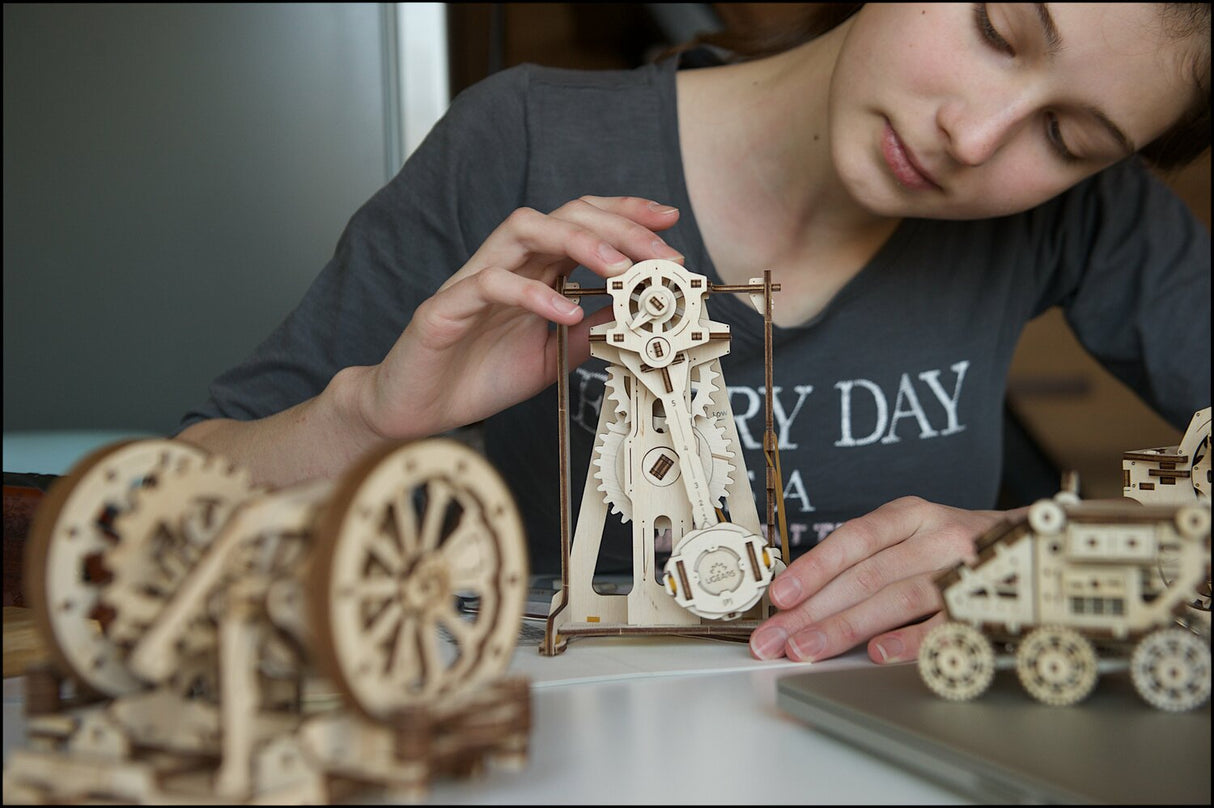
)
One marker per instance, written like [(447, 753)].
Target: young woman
[(921, 180)]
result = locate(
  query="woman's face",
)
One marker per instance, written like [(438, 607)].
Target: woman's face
[(960, 111)]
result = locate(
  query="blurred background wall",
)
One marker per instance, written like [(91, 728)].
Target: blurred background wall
[(174, 177)]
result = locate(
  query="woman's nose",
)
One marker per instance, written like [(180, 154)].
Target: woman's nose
[(975, 129)]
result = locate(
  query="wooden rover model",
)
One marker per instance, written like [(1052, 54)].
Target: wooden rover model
[(215, 642), (667, 457), (1069, 579)]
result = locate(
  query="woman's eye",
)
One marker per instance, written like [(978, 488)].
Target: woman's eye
[(1054, 134), (993, 38)]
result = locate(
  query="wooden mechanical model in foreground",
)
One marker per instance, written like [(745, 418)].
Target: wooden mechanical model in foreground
[(1128, 579), (217, 642), (667, 457)]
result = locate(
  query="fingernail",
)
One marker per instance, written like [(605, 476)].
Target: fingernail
[(891, 649), (615, 259), (662, 248), (566, 306), (768, 642), (785, 590), (808, 644), (658, 207)]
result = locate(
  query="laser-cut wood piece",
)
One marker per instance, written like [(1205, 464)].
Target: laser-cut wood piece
[(74, 529), (1178, 473), (245, 645), (667, 458), (1072, 582)]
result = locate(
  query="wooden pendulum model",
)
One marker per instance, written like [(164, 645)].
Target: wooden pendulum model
[(217, 642), (667, 458)]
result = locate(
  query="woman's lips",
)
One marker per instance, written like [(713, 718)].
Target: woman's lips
[(902, 164)]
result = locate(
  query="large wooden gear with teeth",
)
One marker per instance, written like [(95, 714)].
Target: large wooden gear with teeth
[(77, 564), (218, 641), (667, 459)]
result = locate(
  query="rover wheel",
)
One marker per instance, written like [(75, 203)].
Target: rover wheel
[(72, 531), (406, 531), (1170, 669), (1056, 665), (956, 661), (1193, 521)]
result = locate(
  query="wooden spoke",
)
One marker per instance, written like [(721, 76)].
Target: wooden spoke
[(449, 523)]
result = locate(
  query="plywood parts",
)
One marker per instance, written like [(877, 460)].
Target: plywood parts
[(668, 460), (1178, 473), (1073, 581), (215, 641)]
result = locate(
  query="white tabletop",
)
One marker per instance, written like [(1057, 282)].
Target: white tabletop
[(660, 720), (707, 732)]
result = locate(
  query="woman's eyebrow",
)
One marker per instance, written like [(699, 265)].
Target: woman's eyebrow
[(1053, 42), (1053, 39)]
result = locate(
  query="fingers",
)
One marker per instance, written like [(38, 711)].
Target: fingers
[(895, 605), (794, 635), (579, 342), (446, 316), (851, 543), (902, 645), (604, 234), (872, 574)]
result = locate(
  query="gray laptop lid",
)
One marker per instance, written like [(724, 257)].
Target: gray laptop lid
[(1006, 747)]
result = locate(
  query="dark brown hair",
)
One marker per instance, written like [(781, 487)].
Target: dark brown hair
[(1189, 137), (1180, 145)]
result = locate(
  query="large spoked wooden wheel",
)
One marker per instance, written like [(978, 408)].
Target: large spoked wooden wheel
[(69, 538), (956, 661), (406, 531), (1057, 665)]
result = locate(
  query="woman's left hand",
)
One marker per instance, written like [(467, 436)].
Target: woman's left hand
[(871, 579)]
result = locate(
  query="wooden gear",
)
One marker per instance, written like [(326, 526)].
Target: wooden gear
[(667, 457), (241, 645)]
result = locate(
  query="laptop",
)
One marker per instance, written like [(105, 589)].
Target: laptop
[(1006, 747)]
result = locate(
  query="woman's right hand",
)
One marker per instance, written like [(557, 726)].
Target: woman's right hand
[(482, 342)]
